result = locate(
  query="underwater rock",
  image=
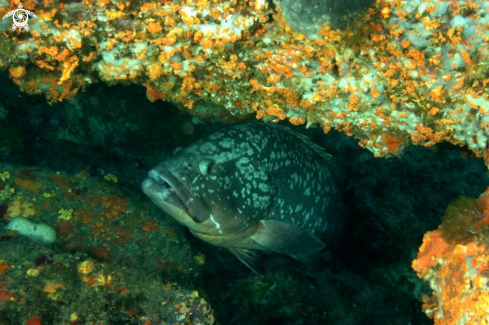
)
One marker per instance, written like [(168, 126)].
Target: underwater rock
[(453, 260), (111, 263), (40, 233), (308, 16), (401, 73)]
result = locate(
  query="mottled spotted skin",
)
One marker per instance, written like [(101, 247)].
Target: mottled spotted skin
[(253, 187)]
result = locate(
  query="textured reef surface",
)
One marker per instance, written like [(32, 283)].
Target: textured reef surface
[(77, 166), (96, 92), (113, 262), (390, 73)]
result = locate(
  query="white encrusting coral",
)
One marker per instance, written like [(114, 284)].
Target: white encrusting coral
[(40, 233)]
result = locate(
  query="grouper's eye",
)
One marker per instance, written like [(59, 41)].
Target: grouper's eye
[(205, 166)]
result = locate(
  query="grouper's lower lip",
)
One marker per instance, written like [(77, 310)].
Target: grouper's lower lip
[(161, 184), (161, 194)]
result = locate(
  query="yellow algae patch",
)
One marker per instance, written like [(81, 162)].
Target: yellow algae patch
[(111, 178), (199, 259), (20, 208), (86, 267), (4, 176), (100, 280), (32, 272), (65, 214)]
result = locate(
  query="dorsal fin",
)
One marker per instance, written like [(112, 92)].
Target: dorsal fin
[(307, 141), (340, 171)]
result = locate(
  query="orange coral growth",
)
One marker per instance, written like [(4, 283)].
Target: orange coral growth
[(154, 28), (393, 142), (68, 67), (297, 120), (100, 252), (29, 185), (123, 237), (52, 287), (3, 267), (86, 216), (153, 94), (65, 229), (61, 181), (457, 272), (433, 247), (115, 207), (149, 225), (169, 233), (34, 321), (5, 295), (17, 72)]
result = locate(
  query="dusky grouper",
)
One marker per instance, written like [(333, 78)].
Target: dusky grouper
[(254, 187)]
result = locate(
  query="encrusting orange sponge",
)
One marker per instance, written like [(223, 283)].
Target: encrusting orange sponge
[(458, 272)]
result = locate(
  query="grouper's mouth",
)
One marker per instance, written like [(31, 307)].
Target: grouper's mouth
[(166, 190)]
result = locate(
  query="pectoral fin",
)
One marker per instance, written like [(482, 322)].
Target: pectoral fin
[(285, 238), (250, 258)]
